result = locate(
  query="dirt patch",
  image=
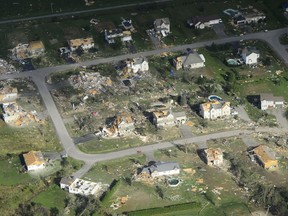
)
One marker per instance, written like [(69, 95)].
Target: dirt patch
[(17, 37), (71, 32), (104, 25)]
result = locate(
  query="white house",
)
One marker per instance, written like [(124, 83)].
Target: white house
[(84, 43), (137, 64), (162, 169), (34, 160), (268, 100), (110, 35), (215, 109), (82, 187), (201, 22), (250, 55), (189, 61), (163, 118), (162, 26)]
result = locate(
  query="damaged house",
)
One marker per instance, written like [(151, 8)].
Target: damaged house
[(166, 118), (137, 65), (189, 61), (8, 94), (121, 125), (161, 169), (33, 49), (265, 157), (83, 43), (82, 187), (162, 26), (215, 109), (213, 157)]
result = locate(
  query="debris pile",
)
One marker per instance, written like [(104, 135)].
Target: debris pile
[(119, 202), (121, 125), (14, 115), (92, 83), (30, 50), (5, 67)]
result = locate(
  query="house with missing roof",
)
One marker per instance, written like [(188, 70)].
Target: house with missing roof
[(34, 160), (162, 26), (82, 187), (189, 61), (137, 65), (268, 101), (215, 109), (213, 157), (265, 157), (201, 22), (250, 55), (110, 35), (161, 169), (31, 50), (84, 43), (121, 125)]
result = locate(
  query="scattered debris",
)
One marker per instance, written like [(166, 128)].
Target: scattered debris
[(6, 68)]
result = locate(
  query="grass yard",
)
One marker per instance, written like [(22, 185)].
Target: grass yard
[(108, 145), (35, 137), (106, 172), (53, 197), (9, 172)]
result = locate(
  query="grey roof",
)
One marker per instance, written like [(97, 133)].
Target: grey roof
[(67, 180), (202, 19), (216, 106), (179, 114), (249, 50), (270, 97), (191, 58), (158, 22), (139, 60), (161, 167)]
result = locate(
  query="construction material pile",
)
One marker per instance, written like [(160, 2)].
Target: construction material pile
[(6, 68), (92, 83), (14, 115)]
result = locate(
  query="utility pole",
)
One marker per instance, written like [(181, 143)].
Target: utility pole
[(267, 210), (51, 5)]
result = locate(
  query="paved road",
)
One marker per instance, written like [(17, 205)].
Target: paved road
[(81, 11), (38, 76)]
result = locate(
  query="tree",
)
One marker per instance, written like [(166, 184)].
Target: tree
[(183, 100), (160, 192)]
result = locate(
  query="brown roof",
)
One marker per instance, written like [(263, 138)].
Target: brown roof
[(214, 153), (264, 153), (80, 41), (36, 45), (33, 158)]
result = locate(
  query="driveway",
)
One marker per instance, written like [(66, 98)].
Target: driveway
[(186, 131), (280, 116), (219, 30), (242, 113), (249, 141)]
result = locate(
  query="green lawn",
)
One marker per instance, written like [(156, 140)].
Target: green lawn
[(9, 172), (108, 145), (34, 137), (53, 197)]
